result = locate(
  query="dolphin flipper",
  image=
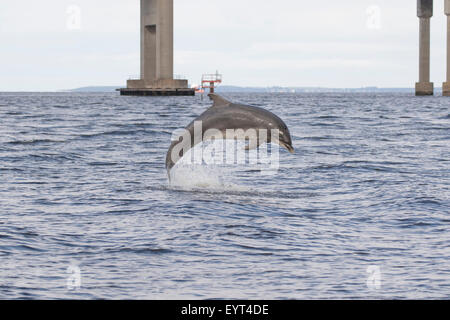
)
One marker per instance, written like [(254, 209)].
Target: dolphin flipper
[(218, 100)]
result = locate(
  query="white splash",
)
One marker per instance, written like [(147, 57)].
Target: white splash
[(208, 173)]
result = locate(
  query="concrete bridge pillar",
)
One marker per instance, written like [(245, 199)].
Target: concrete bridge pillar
[(446, 85), (157, 53), (424, 11), (156, 39)]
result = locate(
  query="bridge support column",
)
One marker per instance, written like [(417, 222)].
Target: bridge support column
[(424, 11), (446, 85), (157, 53)]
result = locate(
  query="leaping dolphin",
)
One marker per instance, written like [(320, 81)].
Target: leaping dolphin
[(225, 115)]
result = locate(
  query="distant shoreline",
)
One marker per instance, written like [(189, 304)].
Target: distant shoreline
[(238, 89)]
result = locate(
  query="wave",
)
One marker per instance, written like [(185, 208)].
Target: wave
[(34, 141)]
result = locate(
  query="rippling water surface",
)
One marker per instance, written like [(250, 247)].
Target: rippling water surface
[(83, 187)]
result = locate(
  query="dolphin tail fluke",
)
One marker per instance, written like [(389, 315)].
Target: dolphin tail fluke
[(218, 100)]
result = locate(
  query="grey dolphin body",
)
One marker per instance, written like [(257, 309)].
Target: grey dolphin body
[(225, 115)]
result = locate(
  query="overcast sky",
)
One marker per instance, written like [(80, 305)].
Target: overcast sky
[(60, 44)]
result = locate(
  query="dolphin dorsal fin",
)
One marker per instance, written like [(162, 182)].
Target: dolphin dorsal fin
[(218, 100)]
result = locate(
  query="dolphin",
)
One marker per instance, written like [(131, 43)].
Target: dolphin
[(225, 115)]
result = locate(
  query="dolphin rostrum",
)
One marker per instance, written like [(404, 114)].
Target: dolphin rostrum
[(225, 115)]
